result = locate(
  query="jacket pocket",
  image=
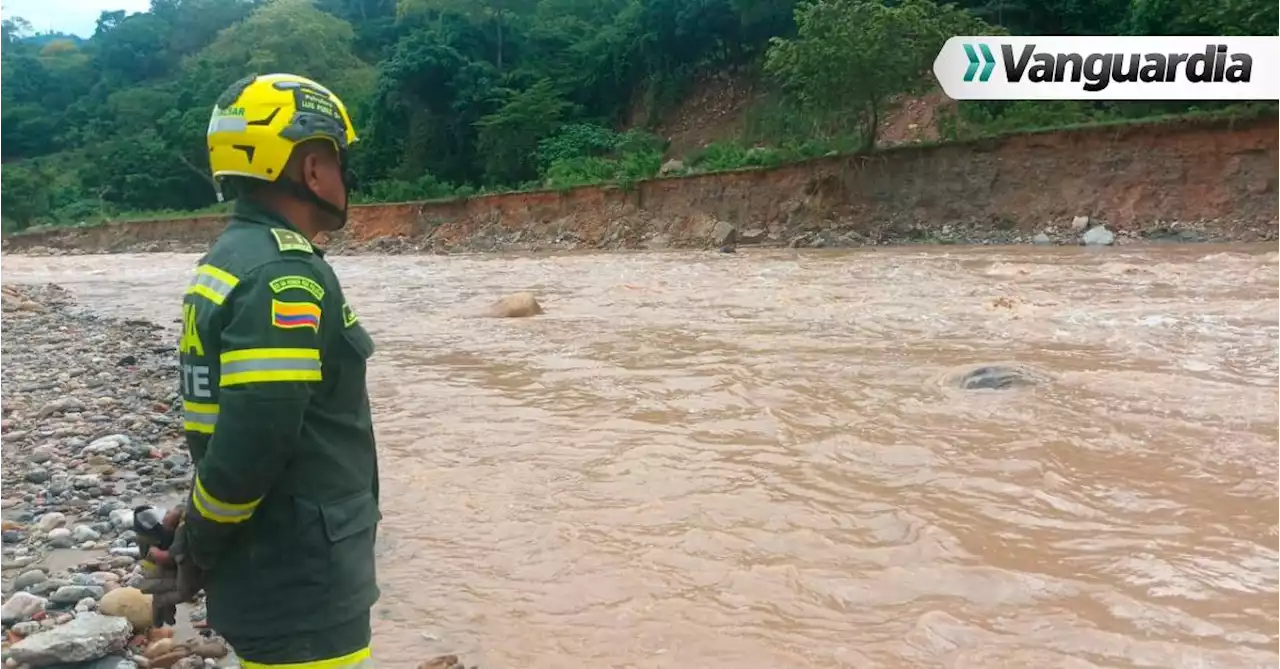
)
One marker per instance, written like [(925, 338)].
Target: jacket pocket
[(294, 543), (350, 526)]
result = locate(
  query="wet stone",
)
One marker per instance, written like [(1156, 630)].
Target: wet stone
[(21, 606), (72, 594), (29, 578), (87, 637)]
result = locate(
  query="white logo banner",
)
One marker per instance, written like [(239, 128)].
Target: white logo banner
[(1109, 68)]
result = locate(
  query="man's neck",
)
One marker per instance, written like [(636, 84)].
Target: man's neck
[(292, 211)]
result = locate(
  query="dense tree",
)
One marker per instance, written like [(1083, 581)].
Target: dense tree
[(453, 95), (851, 55), (27, 194)]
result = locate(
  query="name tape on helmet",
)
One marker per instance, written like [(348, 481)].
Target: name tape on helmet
[(315, 102)]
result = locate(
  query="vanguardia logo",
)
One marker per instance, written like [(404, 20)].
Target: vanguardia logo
[(988, 62), (1097, 71)]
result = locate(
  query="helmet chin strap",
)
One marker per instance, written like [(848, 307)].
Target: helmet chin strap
[(302, 192)]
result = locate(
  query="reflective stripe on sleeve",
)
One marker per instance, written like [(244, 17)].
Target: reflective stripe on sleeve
[(199, 417), (218, 511), (266, 365), (361, 659), (212, 284)]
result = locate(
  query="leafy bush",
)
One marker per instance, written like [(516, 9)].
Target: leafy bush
[(425, 187), (584, 153)]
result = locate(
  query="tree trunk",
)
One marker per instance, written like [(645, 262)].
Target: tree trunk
[(500, 18), (871, 124)]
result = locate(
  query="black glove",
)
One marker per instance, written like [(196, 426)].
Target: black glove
[(172, 578), (160, 576)]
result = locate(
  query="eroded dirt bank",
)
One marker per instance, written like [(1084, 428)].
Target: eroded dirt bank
[(1187, 181)]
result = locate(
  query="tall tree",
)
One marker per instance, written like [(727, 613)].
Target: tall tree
[(497, 13), (852, 55)]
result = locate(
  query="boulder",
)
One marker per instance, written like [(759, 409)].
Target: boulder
[(88, 637), (997, 377), (724, 234), (129, 603), (1099, 236), (519, 305)]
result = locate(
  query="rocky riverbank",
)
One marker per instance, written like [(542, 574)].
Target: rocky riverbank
[(90, 429), (1071, 231)]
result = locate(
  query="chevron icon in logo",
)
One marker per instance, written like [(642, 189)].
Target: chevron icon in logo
[(988, 62)]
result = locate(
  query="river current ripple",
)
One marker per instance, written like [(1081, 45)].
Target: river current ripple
[(758, 460)]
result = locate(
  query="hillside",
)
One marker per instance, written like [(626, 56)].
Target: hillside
[(1188, 180), (720, 106), (456, 98)]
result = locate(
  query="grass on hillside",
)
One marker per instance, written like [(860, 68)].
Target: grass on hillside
[(723, 157)]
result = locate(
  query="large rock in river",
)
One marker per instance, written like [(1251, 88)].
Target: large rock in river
[(998, 377), (519, 305)]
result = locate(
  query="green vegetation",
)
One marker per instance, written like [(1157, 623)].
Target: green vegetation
[(460, 97)]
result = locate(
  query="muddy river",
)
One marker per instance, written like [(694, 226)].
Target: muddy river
[(707, 461)]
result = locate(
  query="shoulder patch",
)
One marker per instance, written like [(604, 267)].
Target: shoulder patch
[(291, 315), (289, 240), (349, 316), (292, 281)]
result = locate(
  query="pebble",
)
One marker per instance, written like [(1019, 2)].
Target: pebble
[(20, 607), (29, 578), (60, 537), (27, 628), (72, 594), (158, 648), (121, 519), (83, 533), (91, 427)]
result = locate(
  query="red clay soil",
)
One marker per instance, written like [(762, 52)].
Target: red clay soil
[(714, 111), (1202, 180), (913, 119)]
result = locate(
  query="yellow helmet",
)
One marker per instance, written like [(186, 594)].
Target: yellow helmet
[(258, 120)]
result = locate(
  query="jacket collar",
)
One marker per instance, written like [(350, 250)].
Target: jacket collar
[(251, 212)]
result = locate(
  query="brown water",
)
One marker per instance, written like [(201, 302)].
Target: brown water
[(746, 461)]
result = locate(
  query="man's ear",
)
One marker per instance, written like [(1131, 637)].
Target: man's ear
[(311, 170)]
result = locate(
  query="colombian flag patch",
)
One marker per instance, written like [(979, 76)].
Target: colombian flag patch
[(289, 315)]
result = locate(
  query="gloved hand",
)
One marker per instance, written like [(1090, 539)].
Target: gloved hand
[(156, 533), (171, 578)]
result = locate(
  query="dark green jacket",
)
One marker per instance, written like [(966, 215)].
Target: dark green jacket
[(284, 506)]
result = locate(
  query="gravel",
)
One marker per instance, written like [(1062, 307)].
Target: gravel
[(91, 427)]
